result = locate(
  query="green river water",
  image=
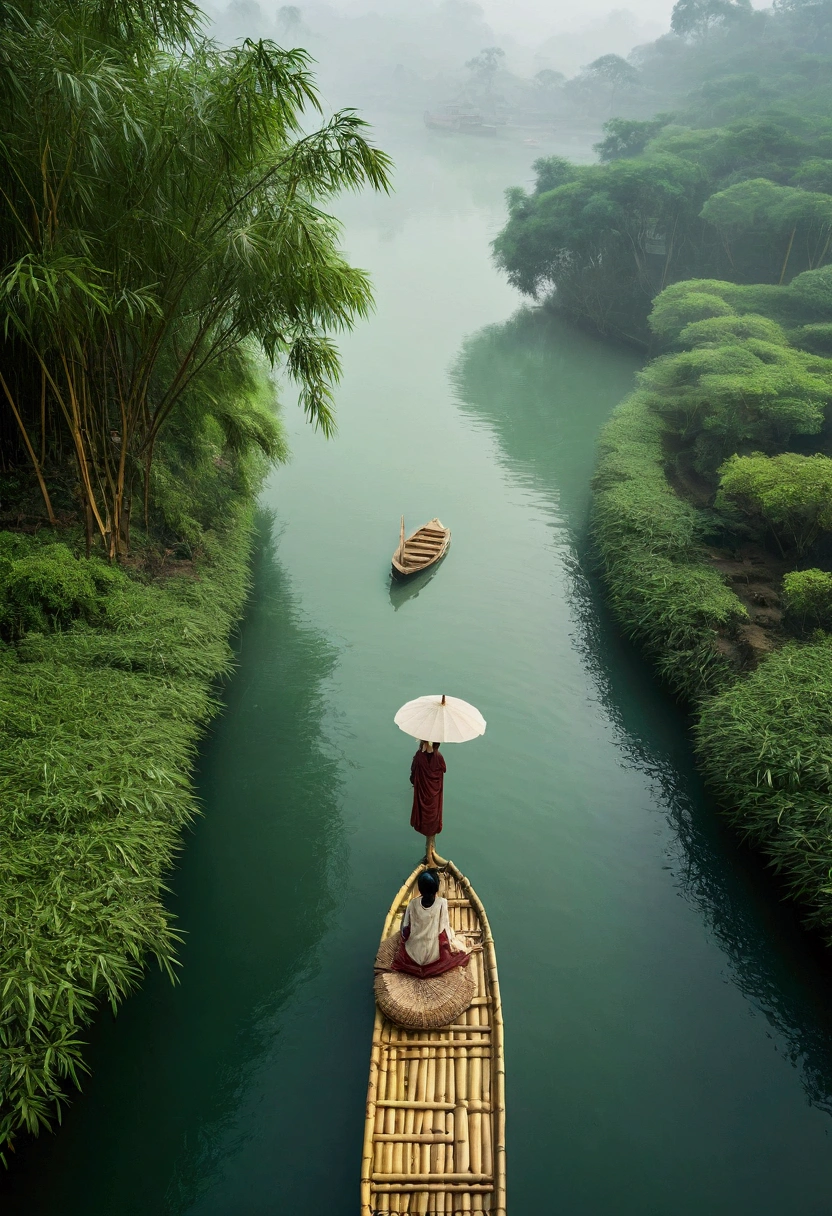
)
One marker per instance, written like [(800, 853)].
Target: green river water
[(667, 1025)]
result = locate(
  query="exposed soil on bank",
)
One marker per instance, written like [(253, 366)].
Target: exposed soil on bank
[(754, 574)]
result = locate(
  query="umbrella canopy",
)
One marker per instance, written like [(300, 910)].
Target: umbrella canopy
[(440, 719)]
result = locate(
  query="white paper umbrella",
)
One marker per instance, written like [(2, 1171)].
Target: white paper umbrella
[(440, 719)]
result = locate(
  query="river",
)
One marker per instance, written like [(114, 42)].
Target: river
[(667, 1025)]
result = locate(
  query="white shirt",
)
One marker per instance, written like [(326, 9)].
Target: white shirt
[(425, 926)]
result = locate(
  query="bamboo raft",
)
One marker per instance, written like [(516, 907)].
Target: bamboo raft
[(423, 548), (434, 1136)]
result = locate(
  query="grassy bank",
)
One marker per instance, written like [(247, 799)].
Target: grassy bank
[(106, 683), (669, 599), (763, 735)]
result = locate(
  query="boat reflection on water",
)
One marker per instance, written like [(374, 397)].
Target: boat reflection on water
[(408, 589)]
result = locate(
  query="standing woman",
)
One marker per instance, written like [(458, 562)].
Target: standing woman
[(427, 775)]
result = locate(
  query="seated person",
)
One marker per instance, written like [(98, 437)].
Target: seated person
[(428, 945)]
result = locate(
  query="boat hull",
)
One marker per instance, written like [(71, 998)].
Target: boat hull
[(422, 549), (434, 1136), (402, 575)]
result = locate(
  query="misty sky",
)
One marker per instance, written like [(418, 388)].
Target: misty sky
[(536, 20)]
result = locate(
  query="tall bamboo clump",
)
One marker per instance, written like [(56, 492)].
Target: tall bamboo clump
[(161, 213)]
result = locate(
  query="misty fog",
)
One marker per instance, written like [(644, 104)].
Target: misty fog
[(405, 56)]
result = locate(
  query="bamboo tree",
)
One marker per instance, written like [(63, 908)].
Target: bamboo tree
[(162, 210)]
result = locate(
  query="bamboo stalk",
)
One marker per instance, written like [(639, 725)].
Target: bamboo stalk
[(788, 255), (405, 1044), (429, 1178), (498, 1079), (404, 1119), (47, 502), (369, 1126), (384, 1059), (390, 1112), (404, 1104), (484, 1188), (475, 1117), (416, 1137)]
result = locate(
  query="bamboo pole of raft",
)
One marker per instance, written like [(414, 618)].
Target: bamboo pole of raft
[(498, 1082), (401, 544)]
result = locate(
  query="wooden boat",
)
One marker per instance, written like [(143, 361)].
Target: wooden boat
[(434, 1137), (423, 548)]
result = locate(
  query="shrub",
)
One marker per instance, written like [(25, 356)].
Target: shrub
[(732, 392), (50, 588), (98, 730), (807, 595), (789, 493), (765, 745), (665, 594)]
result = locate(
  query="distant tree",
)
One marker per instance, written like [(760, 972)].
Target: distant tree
[(628, 136), (485, 67), (615, 71), (810, 21), (694, 19), (548, 80), (289, 19), (789, 493), (553, 171), (758, 218), (814, 174)]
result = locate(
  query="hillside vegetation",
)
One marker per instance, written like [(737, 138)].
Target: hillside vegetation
[(734, 183), (705, 236)]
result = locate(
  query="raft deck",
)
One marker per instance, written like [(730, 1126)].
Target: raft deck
[(434, 1139)]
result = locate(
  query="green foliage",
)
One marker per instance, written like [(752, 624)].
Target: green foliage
[(682, 304), (141, 258), (721, 223), (603, 239), (214, 451), (697, 18), (98, 729), (551, 172), (737, 185), (662, 590), (800, 306), (50, 589), (627, 137), (807, 596), (765, 746), (814, 174), (789, 493), (739, 386), (760, 223)]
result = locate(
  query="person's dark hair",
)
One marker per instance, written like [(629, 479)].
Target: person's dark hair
[(436, 747), (428, 884)]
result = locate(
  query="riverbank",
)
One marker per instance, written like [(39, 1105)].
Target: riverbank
[(762, 702), (107, 680)]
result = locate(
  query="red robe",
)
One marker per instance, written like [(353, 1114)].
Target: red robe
[(446, 962), (427, 774)]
